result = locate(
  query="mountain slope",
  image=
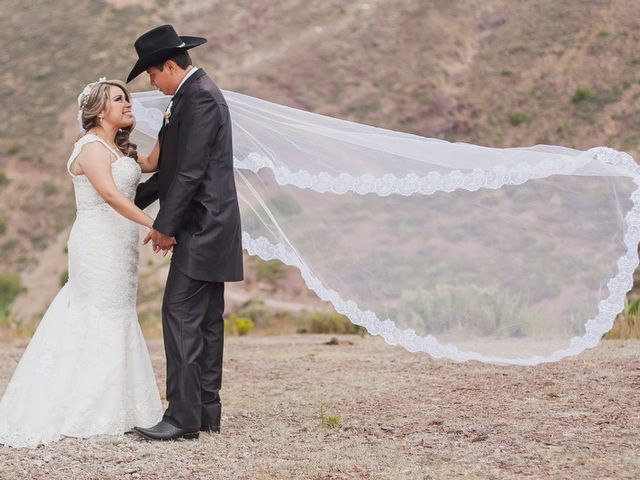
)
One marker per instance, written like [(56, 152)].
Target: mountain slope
[(492, 72)]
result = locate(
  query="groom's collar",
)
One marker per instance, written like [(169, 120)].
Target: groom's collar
[(189, 78), (186, 77)]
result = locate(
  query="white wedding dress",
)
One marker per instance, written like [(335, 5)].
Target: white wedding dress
[(87, 371)]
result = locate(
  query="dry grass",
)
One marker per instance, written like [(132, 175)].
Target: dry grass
[(625, 327), (297, 408)]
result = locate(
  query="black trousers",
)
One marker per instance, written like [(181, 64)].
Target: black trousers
[(193, 330)]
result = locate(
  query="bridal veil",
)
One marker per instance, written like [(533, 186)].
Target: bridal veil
[(503, 255)]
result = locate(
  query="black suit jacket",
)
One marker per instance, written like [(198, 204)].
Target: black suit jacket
[(196, 186)]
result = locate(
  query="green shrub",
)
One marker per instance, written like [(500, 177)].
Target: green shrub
[(326, 322), (3, 225), (244, 325), (581, 94), (64, 278), (332, 421), (285, 204), (631, 308), (41, 76), (478, 311), (15, 324), (362, 109), (49, 188), (10, 245), (271, 270), (328, 421), (518, 118), (255, 310), (4, 180), (10, 287), (234, 325), (12, 147), (627, 323)]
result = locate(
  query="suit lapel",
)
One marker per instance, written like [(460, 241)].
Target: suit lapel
[(184, 89), (161, 135), (175, 108)]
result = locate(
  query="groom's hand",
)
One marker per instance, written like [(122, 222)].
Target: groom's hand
[(160, 241)]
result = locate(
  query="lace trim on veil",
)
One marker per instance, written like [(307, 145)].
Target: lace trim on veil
[(595, 328), (389, 184)]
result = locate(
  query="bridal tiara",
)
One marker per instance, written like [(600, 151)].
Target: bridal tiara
[(84, 96)]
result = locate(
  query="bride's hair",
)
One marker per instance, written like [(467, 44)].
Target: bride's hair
[(96, 102)]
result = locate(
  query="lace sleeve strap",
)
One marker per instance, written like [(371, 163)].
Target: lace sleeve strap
[(77, 148)]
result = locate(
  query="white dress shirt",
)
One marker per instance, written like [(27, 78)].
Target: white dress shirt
[(189, 73), (167, 112)]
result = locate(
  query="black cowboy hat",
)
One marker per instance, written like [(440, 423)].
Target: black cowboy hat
[(158, 45)]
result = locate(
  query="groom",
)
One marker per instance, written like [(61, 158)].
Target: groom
[(199, 209)]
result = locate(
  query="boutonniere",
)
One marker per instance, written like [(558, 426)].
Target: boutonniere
[(167, 113)]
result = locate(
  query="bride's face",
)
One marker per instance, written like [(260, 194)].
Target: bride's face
[(118, 109)]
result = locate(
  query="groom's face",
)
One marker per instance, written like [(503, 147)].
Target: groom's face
[(164, 80)]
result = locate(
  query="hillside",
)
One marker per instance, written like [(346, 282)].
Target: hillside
[(492, 72), (458, 70)]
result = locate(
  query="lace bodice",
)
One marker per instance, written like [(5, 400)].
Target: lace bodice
[(126, 175), (115, 237)]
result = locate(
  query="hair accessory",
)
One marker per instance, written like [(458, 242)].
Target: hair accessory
[(84, 96)]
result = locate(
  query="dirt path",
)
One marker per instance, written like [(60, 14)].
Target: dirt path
[(236, 294), (400, 415)]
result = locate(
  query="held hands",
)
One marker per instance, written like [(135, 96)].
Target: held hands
[(160, 241)]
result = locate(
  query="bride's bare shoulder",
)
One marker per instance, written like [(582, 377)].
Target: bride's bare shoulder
[(90, 150)]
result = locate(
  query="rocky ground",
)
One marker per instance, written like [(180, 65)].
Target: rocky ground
[(296, 407)]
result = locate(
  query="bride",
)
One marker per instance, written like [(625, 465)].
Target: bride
[(87, 371)]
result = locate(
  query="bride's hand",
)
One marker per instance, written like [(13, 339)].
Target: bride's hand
[(160, 241), (157, 248)]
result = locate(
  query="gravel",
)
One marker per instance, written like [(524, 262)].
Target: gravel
[(296, 407)]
